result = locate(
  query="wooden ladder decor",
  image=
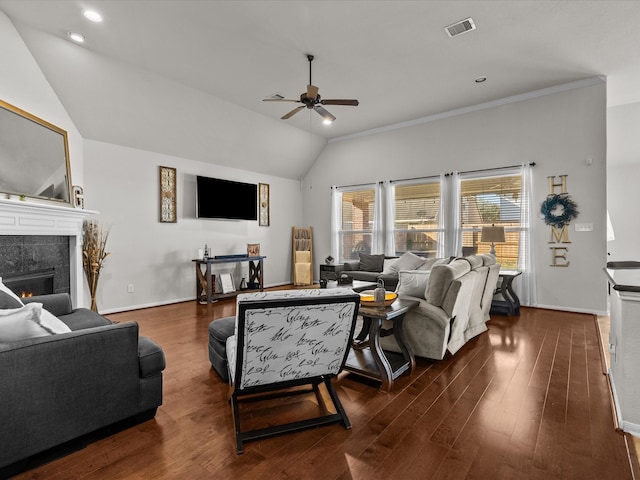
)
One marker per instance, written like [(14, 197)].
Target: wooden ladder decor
[(302, 242)]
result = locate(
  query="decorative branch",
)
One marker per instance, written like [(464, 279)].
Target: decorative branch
[(94, 242)]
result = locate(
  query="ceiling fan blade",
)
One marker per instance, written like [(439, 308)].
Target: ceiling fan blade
[(312, 92), (324, 113), (292, 112), (279, 100), (353, 103)]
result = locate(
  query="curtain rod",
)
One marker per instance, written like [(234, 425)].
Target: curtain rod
[(415, 178), (531, 164), (355, 185)]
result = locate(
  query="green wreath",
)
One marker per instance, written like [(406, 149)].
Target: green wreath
[(558, 210)]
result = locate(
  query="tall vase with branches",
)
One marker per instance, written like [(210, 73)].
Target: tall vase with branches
[(94, 242)]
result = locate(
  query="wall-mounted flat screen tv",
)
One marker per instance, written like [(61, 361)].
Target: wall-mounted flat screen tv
[(217, 198)]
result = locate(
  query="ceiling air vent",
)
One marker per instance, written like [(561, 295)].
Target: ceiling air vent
[(458, 28)]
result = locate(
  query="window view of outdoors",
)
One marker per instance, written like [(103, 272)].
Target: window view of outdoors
[(417, 216), (486, 201), (357, 223)]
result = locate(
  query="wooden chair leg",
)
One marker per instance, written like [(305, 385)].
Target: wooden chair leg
[(236, 422)]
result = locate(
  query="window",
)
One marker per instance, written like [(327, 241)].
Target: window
[(491, 200), (417, 227), (355, 231), (438, 217)]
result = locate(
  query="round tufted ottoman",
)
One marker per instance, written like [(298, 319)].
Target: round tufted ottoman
[(219, 331)]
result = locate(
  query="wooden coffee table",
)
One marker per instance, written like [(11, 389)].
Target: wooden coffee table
[(367, 358)]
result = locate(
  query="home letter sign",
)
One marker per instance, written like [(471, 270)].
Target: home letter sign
[(558, 210)]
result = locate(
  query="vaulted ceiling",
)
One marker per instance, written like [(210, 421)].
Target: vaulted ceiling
[(187, 78)]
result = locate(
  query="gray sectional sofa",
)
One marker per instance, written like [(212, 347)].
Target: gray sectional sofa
[(60, 387), (454, 298), (371, 268)]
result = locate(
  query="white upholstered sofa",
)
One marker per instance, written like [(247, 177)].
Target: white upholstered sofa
[(455, 299)]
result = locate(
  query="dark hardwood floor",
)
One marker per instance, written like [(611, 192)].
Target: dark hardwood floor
[(525, 400)]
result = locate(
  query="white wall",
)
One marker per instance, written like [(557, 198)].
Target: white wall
[(558, 132), (623, 171), (623, 198), (122, 183), (23, 84)]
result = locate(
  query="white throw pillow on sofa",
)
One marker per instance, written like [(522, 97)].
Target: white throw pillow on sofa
[(19, 323), (408, 261), (413, 283), (29, 321), (53, 323), (388, 266)]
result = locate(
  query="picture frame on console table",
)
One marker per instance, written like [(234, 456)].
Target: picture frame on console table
[(263, 205), (253, 249), (226, 281)]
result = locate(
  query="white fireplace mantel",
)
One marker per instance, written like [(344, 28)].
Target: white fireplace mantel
[(30, 218)]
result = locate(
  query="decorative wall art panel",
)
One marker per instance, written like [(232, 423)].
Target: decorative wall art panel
[(168, 207)]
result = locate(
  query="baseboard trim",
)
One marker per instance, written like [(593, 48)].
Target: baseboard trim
[(145, 305), (632, 428), (128, 308), (574, 310)]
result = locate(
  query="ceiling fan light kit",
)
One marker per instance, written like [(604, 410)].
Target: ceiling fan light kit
[(313, 101)]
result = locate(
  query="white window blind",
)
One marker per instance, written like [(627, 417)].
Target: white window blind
[(355, 233), (491, 200), (417, 225)]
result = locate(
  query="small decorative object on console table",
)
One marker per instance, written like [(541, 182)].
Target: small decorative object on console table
[(226, 281), (328, 260), (253, 249), (94, 242)]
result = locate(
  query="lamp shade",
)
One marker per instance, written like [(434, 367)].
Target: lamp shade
[(492, 234)]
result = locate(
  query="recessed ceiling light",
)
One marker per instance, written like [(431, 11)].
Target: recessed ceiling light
[(76, 37), (92, 16), (480, 79)]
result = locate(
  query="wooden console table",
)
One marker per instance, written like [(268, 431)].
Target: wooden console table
[(205, 281)]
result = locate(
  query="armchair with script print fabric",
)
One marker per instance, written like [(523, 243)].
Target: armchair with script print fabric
[(287, 339)]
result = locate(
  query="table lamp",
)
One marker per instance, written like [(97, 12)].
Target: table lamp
[(492, 234)]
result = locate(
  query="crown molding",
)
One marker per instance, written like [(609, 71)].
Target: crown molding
[(474, 108)]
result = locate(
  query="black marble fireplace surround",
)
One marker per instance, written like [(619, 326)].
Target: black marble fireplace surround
[(35, 259)]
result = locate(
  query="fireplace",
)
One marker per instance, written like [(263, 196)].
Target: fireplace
[(36, 237), (35, 264), (28, 284)]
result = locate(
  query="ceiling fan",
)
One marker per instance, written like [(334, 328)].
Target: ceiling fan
[(312, 100)]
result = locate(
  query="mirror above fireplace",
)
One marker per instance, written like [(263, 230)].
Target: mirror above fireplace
[(34, 156)]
